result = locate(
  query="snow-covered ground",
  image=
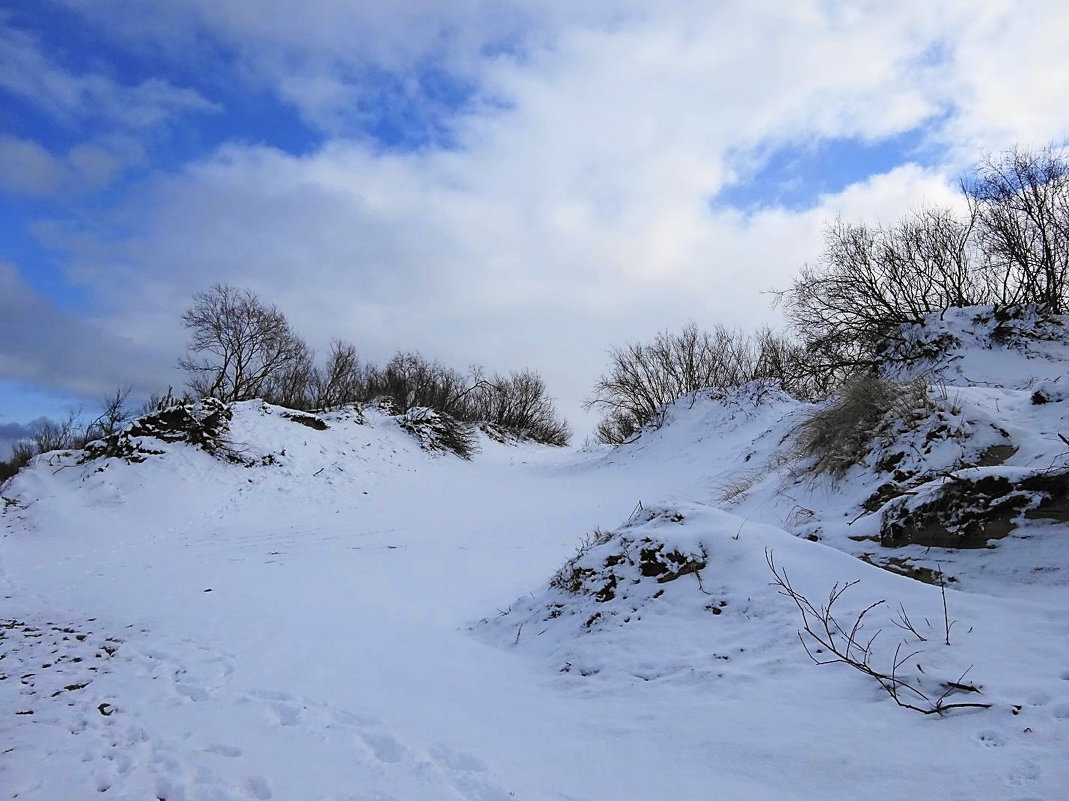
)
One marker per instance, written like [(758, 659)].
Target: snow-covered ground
[(361, 619)]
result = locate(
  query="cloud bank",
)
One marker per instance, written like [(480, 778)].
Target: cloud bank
[(558, 191)]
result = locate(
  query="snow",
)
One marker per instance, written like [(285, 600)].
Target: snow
[(354, 617)]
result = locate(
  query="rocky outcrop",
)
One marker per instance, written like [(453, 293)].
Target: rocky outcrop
[(967, 511), (203, 423)]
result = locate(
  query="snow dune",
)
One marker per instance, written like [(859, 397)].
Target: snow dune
[(344, 623)]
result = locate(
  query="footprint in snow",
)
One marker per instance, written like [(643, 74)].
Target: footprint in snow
[(286, 714), (259, 787), (283, 707), (468, 774), (1061, 710), (1025, 773), (193, 692), (991, 738), (223, 750), (384, 747), (354, 720), (270, 695)]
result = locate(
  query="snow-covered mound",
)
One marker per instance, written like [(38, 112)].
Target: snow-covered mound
[(688, 595), (254, 603), (681, 604), (230, 446), (989, 404), (1010, 348)]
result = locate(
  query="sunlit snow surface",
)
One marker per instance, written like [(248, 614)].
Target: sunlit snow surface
[(364, 620)]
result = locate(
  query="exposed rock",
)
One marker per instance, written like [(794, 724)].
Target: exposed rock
[(967, 512), (610, 565), (437, 431), (309, 420), (203, 423)]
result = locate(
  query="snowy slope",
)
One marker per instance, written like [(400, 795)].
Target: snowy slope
[(339, 619)]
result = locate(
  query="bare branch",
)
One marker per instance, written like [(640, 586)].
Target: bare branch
[(827, 641)]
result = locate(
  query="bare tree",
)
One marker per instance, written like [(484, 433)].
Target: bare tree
[(238, 344), (1010, 248), (871, 280), (644, 377), (113, 413), (1021, 202), (341, 380), (518, 402), (293, 385)]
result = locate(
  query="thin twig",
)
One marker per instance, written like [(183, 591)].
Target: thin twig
[(837, 644)]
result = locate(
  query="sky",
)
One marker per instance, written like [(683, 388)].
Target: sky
[(515, 184)]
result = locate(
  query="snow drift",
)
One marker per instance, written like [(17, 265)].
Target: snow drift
[(248, 602)]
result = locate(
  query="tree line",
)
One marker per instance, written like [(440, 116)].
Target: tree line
[(1007, 246), (242, 348)]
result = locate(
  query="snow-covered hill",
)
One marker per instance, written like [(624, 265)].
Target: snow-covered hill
[(319, 607)]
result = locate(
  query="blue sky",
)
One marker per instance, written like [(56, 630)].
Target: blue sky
[(518, 184), (795, 175)]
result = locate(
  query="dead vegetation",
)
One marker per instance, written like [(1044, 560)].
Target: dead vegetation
[(829, 639), (840, 434)]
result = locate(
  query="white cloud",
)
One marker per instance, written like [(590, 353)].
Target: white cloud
[(29, 73), (1009, 68), (49, 348), (114, 121), (574, 213), (27, 168)]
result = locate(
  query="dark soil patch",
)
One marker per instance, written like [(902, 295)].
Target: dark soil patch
[(968, 513), (309, 420)]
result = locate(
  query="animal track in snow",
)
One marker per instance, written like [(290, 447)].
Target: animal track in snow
[(991, 738), (384, 747), (1026, 772), (392, 764), (223, 750)]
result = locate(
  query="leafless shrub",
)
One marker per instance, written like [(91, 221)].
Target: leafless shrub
[(841, 433), (1020, 200), (71, 433), (341, 381), (239, 346), (21, 454), (829, 640), (438, 431), (114, 413), (782, 358), (411, 380), (518, 402), (643, 378), (57, 435), (871, 280)]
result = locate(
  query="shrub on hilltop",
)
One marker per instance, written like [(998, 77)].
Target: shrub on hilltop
[(643, 378), (1008, 248), (242, 348)]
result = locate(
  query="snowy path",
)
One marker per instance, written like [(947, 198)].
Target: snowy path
[(308, 639)]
